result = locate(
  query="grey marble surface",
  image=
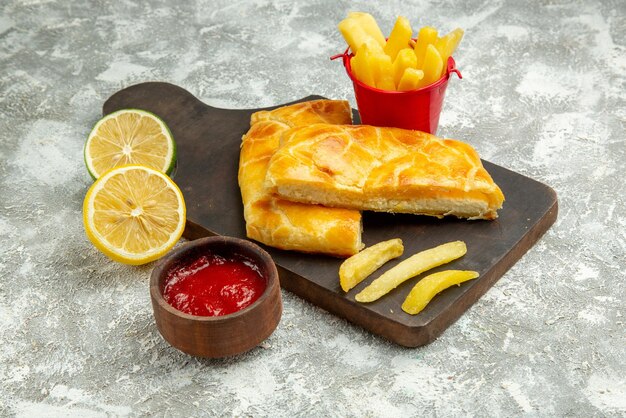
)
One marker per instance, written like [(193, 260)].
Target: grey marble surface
[(543, 94)]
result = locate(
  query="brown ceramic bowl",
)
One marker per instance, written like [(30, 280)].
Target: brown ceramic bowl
[(217, 336)]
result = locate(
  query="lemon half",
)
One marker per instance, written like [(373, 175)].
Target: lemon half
[(129, 136), (134, 214)]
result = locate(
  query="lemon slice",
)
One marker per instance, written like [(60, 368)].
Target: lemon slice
[(129, 136), (134, 214)]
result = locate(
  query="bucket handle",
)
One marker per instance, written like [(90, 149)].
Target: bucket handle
[(345, 55), (452, 68)]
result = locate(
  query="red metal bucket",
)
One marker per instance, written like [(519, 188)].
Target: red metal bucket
[(414, 109)]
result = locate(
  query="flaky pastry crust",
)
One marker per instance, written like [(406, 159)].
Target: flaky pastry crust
[(382, 169), (282, 223)]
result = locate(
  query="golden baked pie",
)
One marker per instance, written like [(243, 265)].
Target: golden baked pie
[(282, 223), (382, 169)]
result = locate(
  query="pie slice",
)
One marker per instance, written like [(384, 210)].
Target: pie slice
[(383, 169), (282, 223)]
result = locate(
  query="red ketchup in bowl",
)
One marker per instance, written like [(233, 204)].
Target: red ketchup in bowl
[(213, 285)]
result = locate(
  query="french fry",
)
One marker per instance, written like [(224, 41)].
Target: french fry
[(405, 59), (360, 64), (356, 268), (383, 71), (374, 46), (446, 45), (410, 80), (411, 267), (369, 25), (427, 35), (354, 34), (399, 37), (426, 289), (433, 66), (373, 67)]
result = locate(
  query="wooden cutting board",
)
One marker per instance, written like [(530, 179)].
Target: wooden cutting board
[(208, 142)]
